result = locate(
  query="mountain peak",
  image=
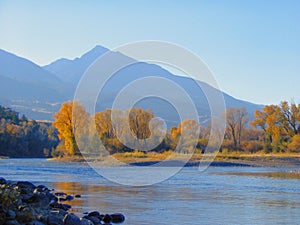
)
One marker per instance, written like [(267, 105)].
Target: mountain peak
[(71, 71), (94, 53)]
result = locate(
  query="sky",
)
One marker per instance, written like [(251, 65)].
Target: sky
[(252, 47)]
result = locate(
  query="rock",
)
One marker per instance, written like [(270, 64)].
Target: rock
[(41, 198), (107, 218), (25, 185), (60, 211), (65, 207), (42, 217), (33, 205), (55, 219), (94, 213), (51, 197), (26, 215), (25, 191), (22, 207), (62, 199), (2, 180), (71, 219), (69, 197), (117, 218), (28, 198), (85, 221), (42, 188), (35, 223), (12, 222), (60, 194), (94, 219), (10, 215)]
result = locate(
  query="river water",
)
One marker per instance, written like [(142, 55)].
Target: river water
[(220, 195)]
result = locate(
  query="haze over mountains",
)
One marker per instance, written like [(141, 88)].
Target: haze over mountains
[(39, 91)]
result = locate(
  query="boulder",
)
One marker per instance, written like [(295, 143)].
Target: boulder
[(107, 218), (117, 218), (35, 223), (2, 180), (25, 185), (12, 222), (71, 219), (10, 215), (85, 221), (69, 197), (55, 219), (94, 213), (56, 205), (94, 219)]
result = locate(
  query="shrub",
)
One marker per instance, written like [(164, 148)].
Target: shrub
[(252, 146), (294, 145)]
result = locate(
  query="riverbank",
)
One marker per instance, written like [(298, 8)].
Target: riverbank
[(230, 159), (23, 203)]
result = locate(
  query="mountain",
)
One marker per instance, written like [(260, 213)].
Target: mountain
[(41, 90), (29, 88), (23, 70), (70, 71)]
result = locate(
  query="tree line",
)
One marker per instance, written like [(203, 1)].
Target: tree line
[(275, 128), (20, 137)]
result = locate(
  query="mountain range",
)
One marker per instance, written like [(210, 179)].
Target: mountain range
[(39, 91)]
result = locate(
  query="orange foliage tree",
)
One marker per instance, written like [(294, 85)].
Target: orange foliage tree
[(71, 122)]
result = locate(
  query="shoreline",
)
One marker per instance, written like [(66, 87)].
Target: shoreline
[(23, 203), (238, 160)]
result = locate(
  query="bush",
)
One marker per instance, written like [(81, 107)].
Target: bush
[(135, 154), (252, 146), (294, 145)]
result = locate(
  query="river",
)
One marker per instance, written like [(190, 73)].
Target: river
[(220, 195)]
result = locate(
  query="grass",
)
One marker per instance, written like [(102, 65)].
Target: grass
[(255, 159)]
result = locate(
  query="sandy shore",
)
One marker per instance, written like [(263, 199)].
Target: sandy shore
[(253, 160)]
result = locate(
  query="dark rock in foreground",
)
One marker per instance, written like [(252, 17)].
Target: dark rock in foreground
[(23, 203)]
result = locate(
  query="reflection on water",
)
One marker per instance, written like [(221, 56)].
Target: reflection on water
[(94, 197), (276, 174), (222, 195)]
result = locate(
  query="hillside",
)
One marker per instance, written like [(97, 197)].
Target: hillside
[(39, 91)]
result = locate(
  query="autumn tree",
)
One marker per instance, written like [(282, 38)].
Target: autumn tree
[(290, 117), (236, 119), (23, 137), (271, 121), (186, 135), (139, 126), (107, 130), (139, 122), (71, 122), (294, 145), (124, 131)]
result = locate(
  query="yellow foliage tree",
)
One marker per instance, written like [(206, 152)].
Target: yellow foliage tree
[(270, 120), (189, 135), (294, 145), (71, 122)]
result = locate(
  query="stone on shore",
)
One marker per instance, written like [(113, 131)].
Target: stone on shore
[(23, 203), (71, 219)]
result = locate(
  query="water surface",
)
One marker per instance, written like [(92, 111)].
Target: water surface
[(221, 195)]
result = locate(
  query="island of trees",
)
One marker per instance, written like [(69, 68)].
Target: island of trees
[(275, 129)]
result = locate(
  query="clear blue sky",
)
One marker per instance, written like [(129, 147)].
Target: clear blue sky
[(253, 47)]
